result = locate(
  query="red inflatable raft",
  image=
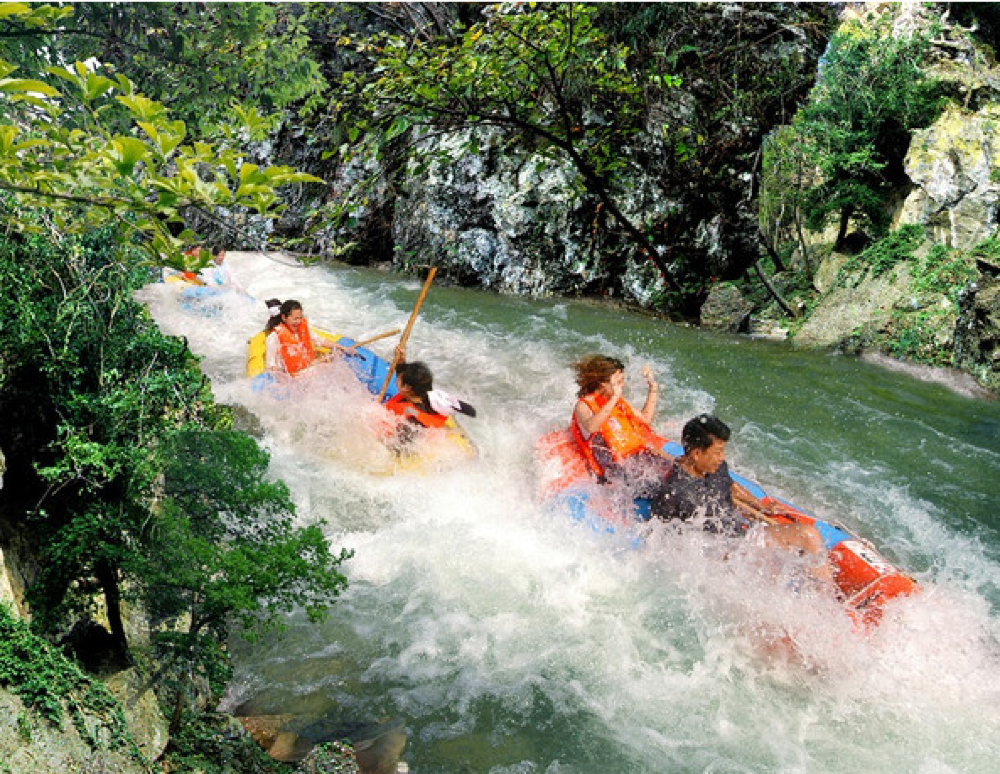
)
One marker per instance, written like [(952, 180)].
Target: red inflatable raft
[(866, 579)]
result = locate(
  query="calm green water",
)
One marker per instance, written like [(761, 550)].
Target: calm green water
[(509, 639)]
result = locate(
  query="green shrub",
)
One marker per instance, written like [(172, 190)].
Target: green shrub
[(50, 686)]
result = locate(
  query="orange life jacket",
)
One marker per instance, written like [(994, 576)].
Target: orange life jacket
[(397, 404), (296, 349), (625, 431)]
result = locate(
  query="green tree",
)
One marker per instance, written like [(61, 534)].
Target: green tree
[(548, 76), (198, 58), (222, 549), (124, 467), (785, 173), (94, 151), (870, 95)]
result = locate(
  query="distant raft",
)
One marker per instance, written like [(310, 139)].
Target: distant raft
[(867, 581)]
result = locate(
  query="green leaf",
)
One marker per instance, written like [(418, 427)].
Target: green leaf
[(19, 85), (143, 108), (13, 9), (126, 153), (96, 86)]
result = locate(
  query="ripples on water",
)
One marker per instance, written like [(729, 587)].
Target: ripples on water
[(511, 640)]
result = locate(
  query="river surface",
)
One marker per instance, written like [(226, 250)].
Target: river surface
[(511, 640)]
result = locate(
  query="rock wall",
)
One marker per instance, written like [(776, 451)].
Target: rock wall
[(953, 166), (512, 221), (953, 192)]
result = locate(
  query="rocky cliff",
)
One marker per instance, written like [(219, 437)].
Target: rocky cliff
[(952, 195)]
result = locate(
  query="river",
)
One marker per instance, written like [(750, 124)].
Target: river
[(511, 640)]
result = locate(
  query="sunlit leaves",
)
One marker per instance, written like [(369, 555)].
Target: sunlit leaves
[(126, 152), (69, 159), (142, 108), (25, 86)]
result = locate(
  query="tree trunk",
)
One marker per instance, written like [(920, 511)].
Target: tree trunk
[(107, 576), (845, 221), (802, 244), (772, 251), (770, 288)]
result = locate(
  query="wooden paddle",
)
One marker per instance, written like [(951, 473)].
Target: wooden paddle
[(406, 332), (366, 342)]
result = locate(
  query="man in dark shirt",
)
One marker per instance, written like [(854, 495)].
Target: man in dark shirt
[(706, 498), (699, 487)]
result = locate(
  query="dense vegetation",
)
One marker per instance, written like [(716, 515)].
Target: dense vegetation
[(130, 131), (52, 687), (128, 476), (125, 481), (673, 97)]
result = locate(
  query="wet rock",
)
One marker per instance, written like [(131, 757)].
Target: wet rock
[(277, 736), (246, 421), (289, 738), (726, 309), (378, 748), (977, 331)]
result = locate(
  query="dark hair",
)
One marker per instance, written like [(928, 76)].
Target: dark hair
[(702, 431), (273, 320), (418, 378), (593, 370), (289, 306)]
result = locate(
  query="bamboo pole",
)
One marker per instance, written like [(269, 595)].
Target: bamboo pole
[(406, 333)]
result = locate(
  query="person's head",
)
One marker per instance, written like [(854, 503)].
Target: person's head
[(415, 379), (273, 314), (291, 314), (218, 253), (704, 440), (595, 371)]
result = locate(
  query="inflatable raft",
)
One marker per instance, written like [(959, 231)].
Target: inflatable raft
[(372, 370), (867, 581)]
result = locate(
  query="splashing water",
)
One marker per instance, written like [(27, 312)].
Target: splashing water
[(511, 639)]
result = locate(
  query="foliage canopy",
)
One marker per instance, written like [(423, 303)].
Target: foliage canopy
[(871, 93), (129, 474), (82, 141)]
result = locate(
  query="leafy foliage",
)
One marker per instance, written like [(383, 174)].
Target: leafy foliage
[(205, 743), (95, 151), (50, 685), (654, 110), (549, 77), (870, 94), (126, 469), (895, 248)]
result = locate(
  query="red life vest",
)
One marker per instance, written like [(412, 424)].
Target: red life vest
[(625, 431), (296, 348), (397, 404)]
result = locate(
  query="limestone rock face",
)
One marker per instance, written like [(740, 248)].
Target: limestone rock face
[(726, 309), (498, 218), (149, 727), (827, 271), (858, 305), (952, 165), (977, 333), (31, 745)]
